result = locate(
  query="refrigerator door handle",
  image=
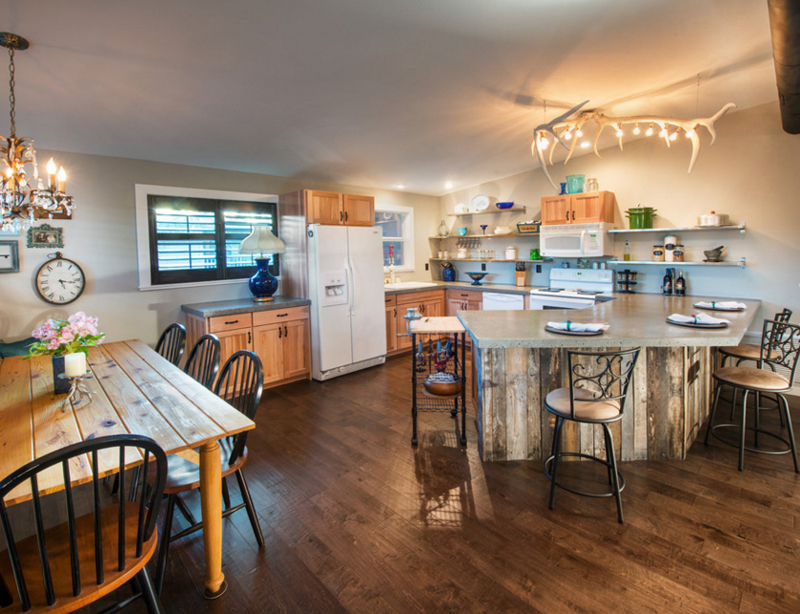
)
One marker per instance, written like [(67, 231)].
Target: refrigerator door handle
[(352, 300), (348, 273)]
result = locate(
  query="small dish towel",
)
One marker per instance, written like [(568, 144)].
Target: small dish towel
[(700, 318), (721, 305), (579, 327)]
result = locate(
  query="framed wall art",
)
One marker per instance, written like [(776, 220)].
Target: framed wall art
[(9, 257), (45, 236)]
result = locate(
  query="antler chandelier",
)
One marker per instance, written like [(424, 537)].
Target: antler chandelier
[(20, 202), (570, 127)]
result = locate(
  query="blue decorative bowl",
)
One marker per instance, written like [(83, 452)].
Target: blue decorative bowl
[(476, 277), (504, 205)]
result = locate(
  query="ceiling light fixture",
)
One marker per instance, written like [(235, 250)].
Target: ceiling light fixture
[(20, 202), (649, 131), (448, 185), (576, 119), (636, 128)]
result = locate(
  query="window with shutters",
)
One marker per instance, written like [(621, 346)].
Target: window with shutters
[(191, 238)]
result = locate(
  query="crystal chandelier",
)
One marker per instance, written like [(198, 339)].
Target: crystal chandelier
[(22, 201)]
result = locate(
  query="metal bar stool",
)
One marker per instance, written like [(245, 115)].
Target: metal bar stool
[(751, 351), (780, 347), (598, 387)]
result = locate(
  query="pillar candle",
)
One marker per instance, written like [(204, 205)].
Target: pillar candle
[(75, 364)]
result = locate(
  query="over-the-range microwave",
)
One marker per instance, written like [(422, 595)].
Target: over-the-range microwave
[(576, 240)]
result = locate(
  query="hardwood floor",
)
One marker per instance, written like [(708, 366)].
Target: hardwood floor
[(356, 520)]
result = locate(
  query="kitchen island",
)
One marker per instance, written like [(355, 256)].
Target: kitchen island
[(517, 362)]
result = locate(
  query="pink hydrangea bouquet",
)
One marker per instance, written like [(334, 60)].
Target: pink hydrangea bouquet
[(59, 337)]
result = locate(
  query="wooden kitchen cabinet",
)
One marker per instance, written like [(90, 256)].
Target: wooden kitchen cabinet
[(279, 337), (463, 300), (429, 303), (584, 208), (391, 323), (333, 208), (235, 332)]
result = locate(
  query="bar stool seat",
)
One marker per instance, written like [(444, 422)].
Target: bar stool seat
[(750, 377), (586, 406), (743, 351)]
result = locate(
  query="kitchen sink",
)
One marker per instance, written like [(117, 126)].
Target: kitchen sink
[(408, 285)]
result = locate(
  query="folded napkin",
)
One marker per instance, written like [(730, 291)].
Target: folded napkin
[(721, 305), (579, 327), (700, 318)]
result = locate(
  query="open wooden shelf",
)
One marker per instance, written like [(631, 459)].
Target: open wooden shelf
[(514, 209)]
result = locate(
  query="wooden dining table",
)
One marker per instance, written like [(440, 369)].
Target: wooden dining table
[(133, 390)]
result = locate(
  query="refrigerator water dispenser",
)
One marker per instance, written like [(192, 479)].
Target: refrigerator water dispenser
[(334, 288)]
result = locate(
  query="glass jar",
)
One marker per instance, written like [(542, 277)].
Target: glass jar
[(592, 185), (677, 255), (658, 253), (443, 229)]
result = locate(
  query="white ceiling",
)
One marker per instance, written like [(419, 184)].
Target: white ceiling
[(368, 92)]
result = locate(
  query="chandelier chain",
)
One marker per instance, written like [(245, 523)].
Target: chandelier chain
[(11, 97)]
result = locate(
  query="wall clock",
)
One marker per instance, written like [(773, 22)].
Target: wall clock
[(60, 280)]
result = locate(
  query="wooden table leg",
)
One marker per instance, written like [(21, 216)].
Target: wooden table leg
[(211, 507)]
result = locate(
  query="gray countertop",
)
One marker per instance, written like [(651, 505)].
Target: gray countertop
[(634, 319), (465, 285), (242, 305)]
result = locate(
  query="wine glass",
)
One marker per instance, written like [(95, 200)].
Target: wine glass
[(483, 228)]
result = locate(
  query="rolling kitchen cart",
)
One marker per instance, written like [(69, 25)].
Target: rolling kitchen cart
[(438, 377)]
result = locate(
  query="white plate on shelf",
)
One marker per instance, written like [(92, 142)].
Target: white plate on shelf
[(479, 202)]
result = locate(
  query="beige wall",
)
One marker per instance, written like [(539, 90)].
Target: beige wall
[(750, 173), (102, 239)]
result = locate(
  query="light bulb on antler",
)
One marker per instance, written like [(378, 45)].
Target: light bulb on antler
[(574, 119)]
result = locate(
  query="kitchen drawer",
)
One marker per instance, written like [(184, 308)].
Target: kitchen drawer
[(465, 295), (274, 316), (390, 301), (420, 297), (219, 324)]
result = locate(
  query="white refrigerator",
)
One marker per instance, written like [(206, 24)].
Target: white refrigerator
[(345, 283)]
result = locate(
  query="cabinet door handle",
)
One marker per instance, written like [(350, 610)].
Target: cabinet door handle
[(422, 308), (280, 332), (568, 215), (249, 337), (232, 322), (346, 215), (341, 216), (395, 312), (573, 215), (285, 331)]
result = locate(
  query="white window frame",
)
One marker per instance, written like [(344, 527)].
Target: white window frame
[(408, 235), (142, 191)]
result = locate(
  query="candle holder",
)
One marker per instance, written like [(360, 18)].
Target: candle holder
[(77, 389)]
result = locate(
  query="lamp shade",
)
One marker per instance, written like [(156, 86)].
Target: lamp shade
[(261, 241)]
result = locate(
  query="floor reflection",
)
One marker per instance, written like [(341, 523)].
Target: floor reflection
[(442, 471)]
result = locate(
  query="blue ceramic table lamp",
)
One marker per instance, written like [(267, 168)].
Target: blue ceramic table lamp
[(261, 241)]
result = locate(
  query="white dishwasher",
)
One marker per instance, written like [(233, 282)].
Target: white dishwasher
[(496, 301)]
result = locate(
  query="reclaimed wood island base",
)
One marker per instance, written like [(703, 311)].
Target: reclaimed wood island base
[(516, 363)]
